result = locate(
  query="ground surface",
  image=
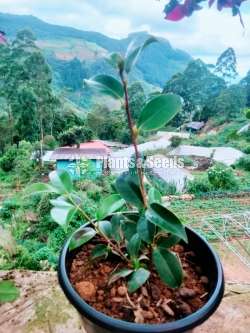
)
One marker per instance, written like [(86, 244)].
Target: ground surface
[(43, 308)]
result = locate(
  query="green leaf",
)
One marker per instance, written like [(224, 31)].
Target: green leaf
[(110, 205), (107, 85), (8, 291), (61, 180), (120, 274), (168, 267), (133, 56), (127, 186), (159, 111), (116, 61), (61, 202), (133, 246), (154, 195), (105, 228), (129, 229), (166, 243), (146, 229), (166, 220), (40, 188), (138, 279), (116, 222), (100, 250), (63, 215), (81, 237)]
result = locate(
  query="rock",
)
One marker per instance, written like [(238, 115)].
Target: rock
[(166, 308), (86, 290), (122, 291), (187, 293), (117, 299), (184, 308), (113, 292), (139, 319), (155, 292), (148, 315), (204, 279)]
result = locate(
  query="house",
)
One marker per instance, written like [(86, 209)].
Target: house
[(114, 145), (195, 126), (86, 160)]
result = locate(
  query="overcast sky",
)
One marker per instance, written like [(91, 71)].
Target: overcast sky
[(206, 34)]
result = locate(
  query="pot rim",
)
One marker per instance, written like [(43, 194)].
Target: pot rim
[(107, 322)]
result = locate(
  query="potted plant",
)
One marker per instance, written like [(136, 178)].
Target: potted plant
[(136, 267)]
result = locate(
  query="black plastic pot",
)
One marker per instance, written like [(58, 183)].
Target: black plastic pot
[(97, 322)]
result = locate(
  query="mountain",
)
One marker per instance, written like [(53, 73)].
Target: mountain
[(62, 45)]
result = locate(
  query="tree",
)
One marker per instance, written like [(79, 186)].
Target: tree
[(246, 84), (229, 103), (76, 135), (26, 87), (226, 66), (107, 124), (137, 98), (196, 85)]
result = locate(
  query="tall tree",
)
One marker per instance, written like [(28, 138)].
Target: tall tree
[(26, 87), (226, 66)]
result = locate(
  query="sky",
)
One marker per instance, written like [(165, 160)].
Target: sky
[(206, 34)]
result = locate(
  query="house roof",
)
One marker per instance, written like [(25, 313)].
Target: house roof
[(89, 150), (113, 144), (196, 125)]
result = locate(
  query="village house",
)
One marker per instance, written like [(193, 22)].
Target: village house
[(87, 160)]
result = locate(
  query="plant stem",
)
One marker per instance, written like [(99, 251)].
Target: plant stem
[(134, 139)]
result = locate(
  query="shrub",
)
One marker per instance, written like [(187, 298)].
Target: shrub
[(8, 208), (200, 184), (50, 142), (244, 163), (175, 141), (222, 177), (188, 161), (7, 161), (247, 150)]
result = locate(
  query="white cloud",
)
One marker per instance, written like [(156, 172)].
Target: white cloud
[(206, 34)]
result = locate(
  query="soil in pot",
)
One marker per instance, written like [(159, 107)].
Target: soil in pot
[(154, 303)]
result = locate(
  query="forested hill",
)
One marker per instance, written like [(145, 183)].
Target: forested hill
[(64, 44)]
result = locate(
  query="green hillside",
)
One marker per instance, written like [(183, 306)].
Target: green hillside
[(64, 44)]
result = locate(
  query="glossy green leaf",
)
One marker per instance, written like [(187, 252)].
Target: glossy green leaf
[(116, 61), (105, 228), (166, 220), (40, 188), (116, 223), (63, 215), (154, 195), (81, 237), (168, 267), (107, 85), (133, 246), (138, 278), (61, 202), (8, 291), (110, 205), (119, 274), (168, 242), (132, 57), (159, 111), (146, 229), (100, 250), (129, 229), (128, 187), (61, 180)]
